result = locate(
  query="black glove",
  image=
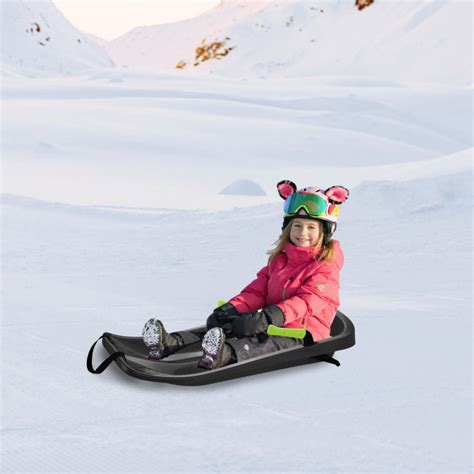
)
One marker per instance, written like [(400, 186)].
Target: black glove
[(251, 324), (227, 309), (222, 317)]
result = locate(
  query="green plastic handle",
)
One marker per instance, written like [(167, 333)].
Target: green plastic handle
[(297, 333)]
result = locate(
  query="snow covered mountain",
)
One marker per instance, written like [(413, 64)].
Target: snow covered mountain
[(39, 41), (401, 40)]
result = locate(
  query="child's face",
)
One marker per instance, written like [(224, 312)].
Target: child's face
[(304, 232)]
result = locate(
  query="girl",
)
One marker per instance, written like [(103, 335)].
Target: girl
[(298, 288)]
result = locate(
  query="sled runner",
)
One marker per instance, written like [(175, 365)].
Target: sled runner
[(180, 368)]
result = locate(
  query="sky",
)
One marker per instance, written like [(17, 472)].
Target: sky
[(109, 19)]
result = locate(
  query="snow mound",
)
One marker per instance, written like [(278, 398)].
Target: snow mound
[(39, 41), (389, 40), (443, 196), (244, 187)]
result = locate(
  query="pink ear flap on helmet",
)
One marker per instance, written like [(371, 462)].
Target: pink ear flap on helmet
[(286, 188), (337, 194)]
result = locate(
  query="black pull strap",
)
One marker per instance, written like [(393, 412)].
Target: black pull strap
[(104, 364), (329, 359)]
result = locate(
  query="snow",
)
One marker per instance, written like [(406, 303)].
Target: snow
[(244, 187), (282, 129), (38, 41), (112, 213), (407, 39)]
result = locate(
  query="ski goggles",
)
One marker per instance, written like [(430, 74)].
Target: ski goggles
[(314, 205)]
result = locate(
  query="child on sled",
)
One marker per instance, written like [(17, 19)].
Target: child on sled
[(298, 288)]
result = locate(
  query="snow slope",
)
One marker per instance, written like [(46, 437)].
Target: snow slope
[(116, 131), (399, 402), (111, 213), (408, 40), (37, 40), (116, 216)]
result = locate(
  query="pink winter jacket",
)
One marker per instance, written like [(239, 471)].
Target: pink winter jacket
[(305, 290)]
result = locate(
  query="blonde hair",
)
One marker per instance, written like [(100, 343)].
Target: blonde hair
[(327, 251)]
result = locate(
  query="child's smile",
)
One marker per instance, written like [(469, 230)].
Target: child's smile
[(305, 232)]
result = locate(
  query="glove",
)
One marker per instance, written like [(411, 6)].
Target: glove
[(251, 324), (227, 309), (222, 317)]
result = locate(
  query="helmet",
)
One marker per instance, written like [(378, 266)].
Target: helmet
[(312, 203)]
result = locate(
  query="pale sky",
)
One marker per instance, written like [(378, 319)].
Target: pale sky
[(111, 18)]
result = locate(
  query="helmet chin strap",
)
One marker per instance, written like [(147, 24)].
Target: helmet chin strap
[(333, 228)]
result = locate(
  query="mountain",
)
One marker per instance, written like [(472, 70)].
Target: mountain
[(398, 40), (39, 41)]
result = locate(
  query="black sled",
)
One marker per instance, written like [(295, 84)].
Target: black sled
[(131, 355)]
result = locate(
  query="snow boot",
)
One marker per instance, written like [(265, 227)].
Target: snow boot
[(215, 352), (159, 342)]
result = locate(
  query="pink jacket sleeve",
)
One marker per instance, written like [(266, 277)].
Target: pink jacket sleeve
[(317, 297), (254, 295)]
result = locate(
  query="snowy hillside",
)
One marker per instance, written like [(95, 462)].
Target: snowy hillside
[(39, 41), (115, 217), (157, 127), (128, 195), (399, 403), (390, 39)]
